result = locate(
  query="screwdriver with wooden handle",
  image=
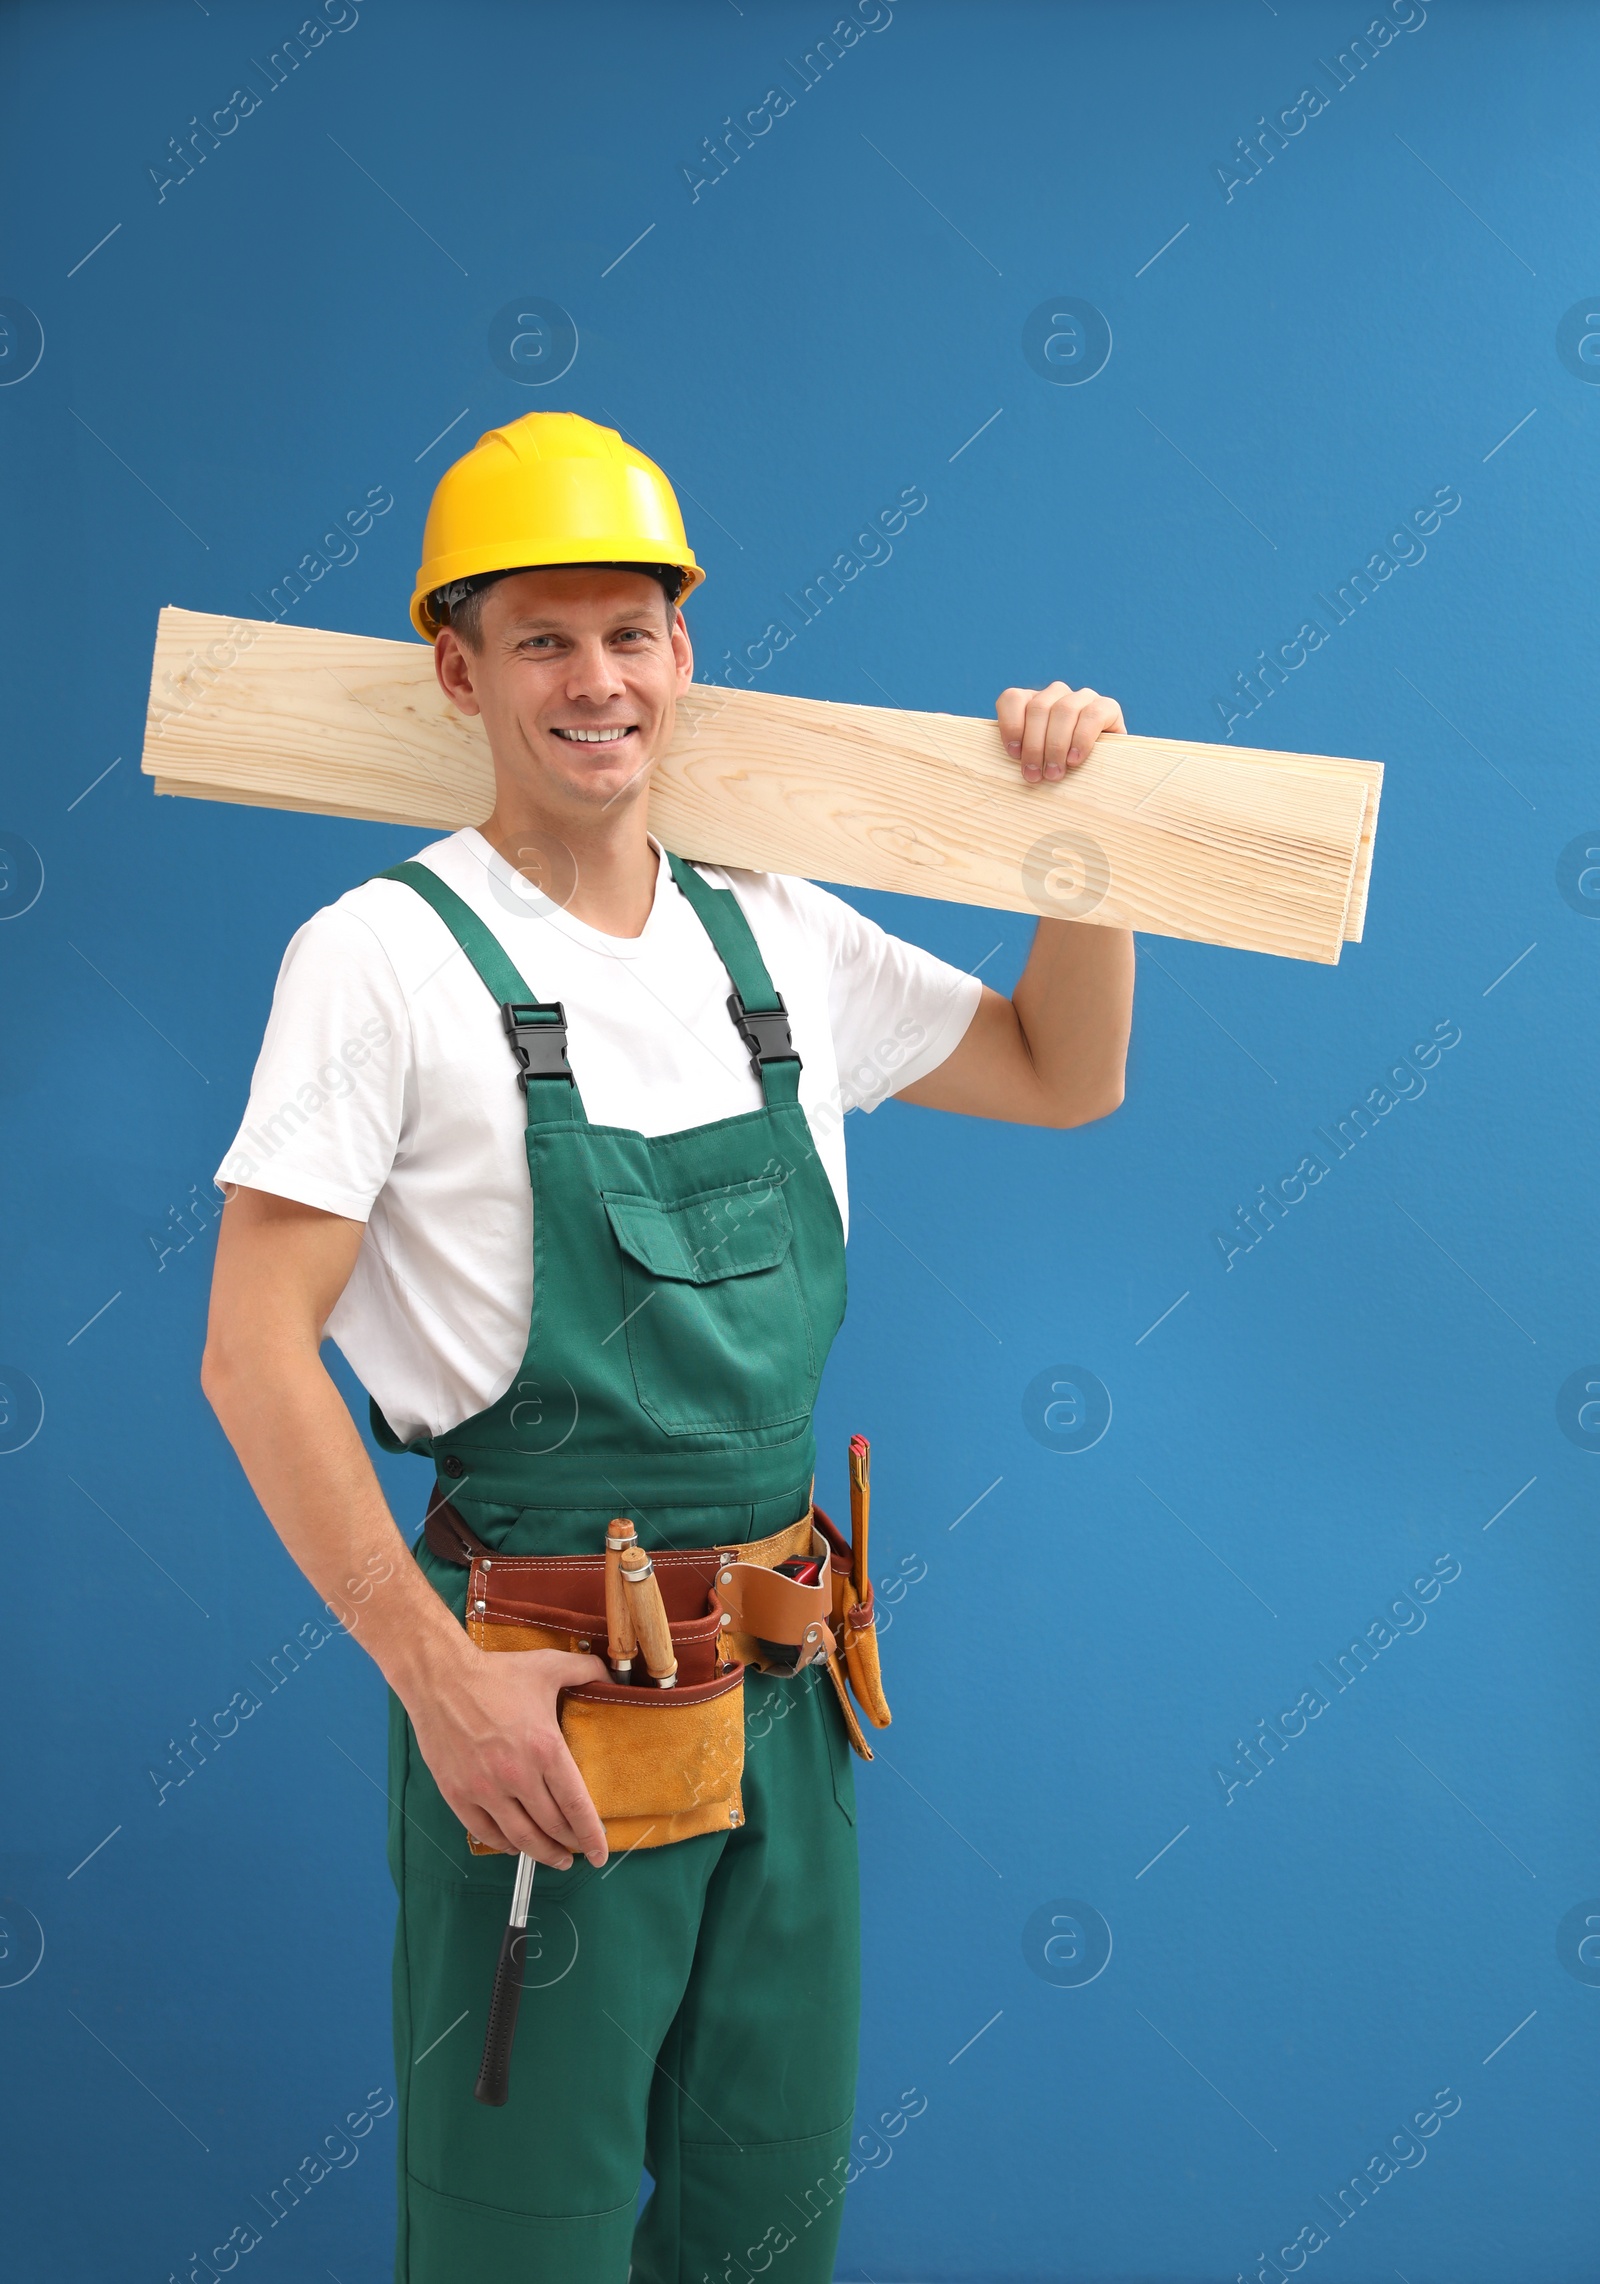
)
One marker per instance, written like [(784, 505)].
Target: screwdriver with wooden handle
[(649, 1614), (621, 1640)]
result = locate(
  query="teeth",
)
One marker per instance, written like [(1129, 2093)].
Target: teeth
[(595, 737)]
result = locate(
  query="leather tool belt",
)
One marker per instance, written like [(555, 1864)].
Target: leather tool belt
[(665, 1764)]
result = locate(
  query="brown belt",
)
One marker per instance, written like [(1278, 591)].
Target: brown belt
[(664, 1765)]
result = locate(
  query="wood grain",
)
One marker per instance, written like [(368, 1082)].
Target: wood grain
[(1261, 851), (649, 1616)]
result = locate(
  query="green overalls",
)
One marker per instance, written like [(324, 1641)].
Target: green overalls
[(690, 2008)]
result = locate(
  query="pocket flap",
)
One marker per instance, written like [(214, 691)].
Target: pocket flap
[(721, 1233)]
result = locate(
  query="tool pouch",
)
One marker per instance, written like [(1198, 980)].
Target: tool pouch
[(856, 1624), (659, 1764), (855, 1631)]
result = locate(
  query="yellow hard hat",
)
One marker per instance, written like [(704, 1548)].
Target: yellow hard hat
[(549, 488)]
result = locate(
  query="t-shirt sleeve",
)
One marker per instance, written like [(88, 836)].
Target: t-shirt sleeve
[(327, 1099), (897, 1011)]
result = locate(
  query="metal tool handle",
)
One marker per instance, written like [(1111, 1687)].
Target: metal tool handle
[(494, 2071)]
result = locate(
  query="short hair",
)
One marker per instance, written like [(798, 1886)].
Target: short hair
[(460, 605)]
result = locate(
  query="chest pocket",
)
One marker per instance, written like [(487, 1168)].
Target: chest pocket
[(719, 1339)]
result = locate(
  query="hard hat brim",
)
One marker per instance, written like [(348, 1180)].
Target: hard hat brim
[(471, 563)]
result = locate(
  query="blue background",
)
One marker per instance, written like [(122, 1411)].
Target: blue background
[(1375, 1385)]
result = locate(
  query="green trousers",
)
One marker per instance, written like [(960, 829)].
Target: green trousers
[(689, 2010)]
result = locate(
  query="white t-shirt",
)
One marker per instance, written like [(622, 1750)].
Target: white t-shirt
[(386, 1090)]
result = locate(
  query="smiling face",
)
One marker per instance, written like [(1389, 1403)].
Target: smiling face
[(576, 677)]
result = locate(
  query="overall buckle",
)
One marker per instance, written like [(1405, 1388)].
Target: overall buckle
[(764, 1030), (537, 1030)]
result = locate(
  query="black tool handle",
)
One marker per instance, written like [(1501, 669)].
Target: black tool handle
[(494, 2072)]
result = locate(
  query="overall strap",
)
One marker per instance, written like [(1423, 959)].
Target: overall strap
[(535, 1028), (758, 1012)]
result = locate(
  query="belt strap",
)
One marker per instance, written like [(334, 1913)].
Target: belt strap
[(454, 1541), (449, 1537)]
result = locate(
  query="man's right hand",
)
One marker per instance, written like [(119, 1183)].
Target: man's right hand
[(488, 1730), (486, 1721)]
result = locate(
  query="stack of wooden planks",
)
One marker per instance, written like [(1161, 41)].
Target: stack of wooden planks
[(1265, 852)]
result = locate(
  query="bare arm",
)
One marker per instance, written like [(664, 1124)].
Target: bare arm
[(486, 1724), (1055, 1052)]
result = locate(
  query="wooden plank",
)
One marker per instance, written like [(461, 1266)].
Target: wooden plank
[(1371, 775), (1261, 851), (1177, 842)]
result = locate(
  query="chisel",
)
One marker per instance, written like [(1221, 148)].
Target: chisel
[(494, 2071), (649, 1614), (621, 1638)]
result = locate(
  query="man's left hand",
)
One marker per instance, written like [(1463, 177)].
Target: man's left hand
[(1054, 1053), (1051, 730)]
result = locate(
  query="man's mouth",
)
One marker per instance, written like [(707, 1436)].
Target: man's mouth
[(611, 736)]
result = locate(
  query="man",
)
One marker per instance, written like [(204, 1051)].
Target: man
[(469, 1232)]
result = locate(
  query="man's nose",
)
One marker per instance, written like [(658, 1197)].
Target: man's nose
[(593, 673)]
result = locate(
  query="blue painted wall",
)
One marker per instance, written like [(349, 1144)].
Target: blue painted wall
[(1388, 1386)]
